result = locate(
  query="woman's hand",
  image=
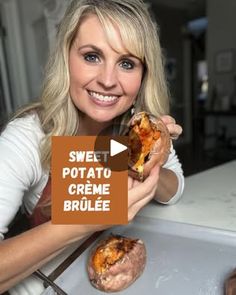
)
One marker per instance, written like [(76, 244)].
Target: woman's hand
[(140, 193), (175, 130)]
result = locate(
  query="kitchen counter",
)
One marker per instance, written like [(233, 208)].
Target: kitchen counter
[(203, 222), (209, 200)]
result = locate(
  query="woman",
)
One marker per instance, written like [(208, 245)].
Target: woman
[(107, 61)]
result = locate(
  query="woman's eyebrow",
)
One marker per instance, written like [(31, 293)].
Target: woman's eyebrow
[(128, 55), (91, 46)]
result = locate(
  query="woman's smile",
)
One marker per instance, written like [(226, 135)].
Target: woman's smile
[(103, 99)]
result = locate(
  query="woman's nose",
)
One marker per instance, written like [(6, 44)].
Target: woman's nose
[(107, 76)]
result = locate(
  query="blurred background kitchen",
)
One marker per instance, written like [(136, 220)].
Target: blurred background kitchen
[(199, 43)]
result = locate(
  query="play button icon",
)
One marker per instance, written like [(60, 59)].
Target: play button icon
[(116, 147)]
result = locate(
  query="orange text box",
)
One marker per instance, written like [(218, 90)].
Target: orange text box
[(84, 191)]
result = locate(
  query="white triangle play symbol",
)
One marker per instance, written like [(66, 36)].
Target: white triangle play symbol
[(116, 147)]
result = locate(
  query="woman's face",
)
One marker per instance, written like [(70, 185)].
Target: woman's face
[(103, 82)]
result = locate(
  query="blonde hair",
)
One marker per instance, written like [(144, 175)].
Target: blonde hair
[(139, 33)]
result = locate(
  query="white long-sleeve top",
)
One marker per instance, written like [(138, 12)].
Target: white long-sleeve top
[(22, 178)]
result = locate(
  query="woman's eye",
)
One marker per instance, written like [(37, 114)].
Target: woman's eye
[(127, 65), (91, 58)]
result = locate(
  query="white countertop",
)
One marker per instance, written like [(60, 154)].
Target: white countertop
[(209, 200)]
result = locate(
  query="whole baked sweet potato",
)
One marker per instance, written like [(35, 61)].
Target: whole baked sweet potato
[(116, 262)]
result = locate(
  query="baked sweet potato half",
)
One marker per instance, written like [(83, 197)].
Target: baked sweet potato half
[(149, 144)]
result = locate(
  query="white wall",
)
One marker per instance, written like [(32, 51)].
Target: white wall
[(26, 47), (14, 52), (35, 42)]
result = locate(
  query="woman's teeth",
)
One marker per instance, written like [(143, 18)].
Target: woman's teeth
[(103, 97)]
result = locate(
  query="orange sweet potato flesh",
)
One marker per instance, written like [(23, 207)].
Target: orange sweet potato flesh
[(147, 136), (110, 252)]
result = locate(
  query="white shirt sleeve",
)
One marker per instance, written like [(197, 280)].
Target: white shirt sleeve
[(174, 164), (19, 158)]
